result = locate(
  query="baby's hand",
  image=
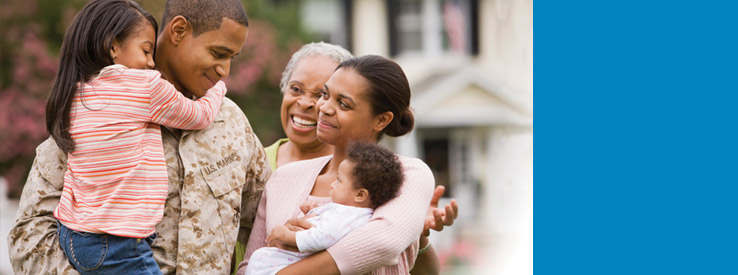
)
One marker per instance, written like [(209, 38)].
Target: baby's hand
[(281, 238), (300, 224), (275, 238), (308, 205)]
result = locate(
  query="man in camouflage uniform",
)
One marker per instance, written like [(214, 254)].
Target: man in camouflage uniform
[(216, 175)]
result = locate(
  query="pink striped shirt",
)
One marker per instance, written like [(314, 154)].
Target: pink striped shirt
[(116, 179)]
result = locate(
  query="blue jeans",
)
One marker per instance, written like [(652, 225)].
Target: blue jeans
[(93, 253)]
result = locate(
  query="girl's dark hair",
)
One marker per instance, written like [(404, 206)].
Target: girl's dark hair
[(388, 91), (84, 52)]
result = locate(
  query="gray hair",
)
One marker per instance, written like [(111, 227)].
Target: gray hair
[(332, 51)]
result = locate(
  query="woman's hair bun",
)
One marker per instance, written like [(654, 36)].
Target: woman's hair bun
[(401, 124)]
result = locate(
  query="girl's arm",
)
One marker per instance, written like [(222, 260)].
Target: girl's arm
[(393, 228), (170, 108)]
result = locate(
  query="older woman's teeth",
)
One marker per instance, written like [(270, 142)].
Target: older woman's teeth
[(303, 123)]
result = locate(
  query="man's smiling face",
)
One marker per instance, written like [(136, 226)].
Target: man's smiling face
[(200, 62)]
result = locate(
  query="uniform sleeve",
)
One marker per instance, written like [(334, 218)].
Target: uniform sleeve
[(252, 222), (170, 108), (258, 234), (33, 245), (392, 228)]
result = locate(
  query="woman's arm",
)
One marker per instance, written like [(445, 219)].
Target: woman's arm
[(436, 219), (427, 261), (318, 263)]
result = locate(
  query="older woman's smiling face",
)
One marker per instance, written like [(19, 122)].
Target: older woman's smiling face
[(298, 112)]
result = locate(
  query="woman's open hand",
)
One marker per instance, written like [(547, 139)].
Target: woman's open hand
[(437, 218)]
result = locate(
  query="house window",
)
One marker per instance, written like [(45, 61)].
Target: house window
[(328, 20), (410, 25), (433, 27)]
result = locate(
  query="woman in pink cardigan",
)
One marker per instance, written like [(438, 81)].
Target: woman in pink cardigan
[(365, 98)]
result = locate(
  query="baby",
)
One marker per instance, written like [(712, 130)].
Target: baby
[(369, 177)]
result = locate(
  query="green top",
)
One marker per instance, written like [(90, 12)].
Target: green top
[(271, 152)]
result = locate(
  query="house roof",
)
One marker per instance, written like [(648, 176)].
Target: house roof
[(468, 97)]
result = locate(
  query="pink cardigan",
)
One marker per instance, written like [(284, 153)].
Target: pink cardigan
[(387, 244)]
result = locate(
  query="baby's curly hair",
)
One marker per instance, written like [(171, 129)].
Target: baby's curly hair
[(377, 170)]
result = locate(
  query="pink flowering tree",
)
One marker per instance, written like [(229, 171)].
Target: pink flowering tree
[(32, 32), (28, 63)]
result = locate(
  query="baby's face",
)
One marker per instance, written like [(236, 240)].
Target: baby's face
[(342, 190)]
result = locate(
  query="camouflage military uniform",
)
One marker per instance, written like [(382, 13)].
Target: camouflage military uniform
[(216, 176)]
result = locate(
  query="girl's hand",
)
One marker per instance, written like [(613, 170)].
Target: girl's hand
[(437, 219)]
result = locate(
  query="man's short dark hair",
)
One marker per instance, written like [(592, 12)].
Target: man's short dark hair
[(377, 169), (204, 15)]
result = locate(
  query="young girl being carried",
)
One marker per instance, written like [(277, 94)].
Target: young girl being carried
[(105, 110)]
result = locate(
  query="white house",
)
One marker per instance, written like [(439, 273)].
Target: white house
[(470, 67)]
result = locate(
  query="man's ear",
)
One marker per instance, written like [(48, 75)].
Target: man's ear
[(178, 29), (361, 196), (382, 120)]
